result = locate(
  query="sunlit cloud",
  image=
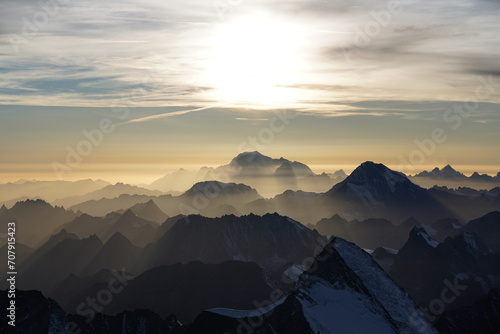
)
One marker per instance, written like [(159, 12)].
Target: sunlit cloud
[(169, 114), (318, 54)]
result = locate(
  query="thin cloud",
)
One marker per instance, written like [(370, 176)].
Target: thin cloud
[(164, 115)]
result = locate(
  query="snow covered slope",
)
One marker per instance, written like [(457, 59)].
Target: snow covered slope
[(343, 292)]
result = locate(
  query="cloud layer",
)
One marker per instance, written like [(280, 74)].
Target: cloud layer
[(91, 53)]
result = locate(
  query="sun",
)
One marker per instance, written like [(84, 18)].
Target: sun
[(254, 61)]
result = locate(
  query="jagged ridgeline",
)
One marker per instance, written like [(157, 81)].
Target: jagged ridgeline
[(344, 290), (261, 245)]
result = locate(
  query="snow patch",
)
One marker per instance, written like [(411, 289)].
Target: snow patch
[(397, 303), (294, 271), (363, 194), (331, 311), (469, 239), (431, 242), (391, 251), (296, 224), (392, 178), (430, 230), (239, 314)]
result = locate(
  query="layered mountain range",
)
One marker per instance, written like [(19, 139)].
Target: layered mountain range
[(343, 291), (369, 252), (448, 176)]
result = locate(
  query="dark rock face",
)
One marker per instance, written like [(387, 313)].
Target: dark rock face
[(188, 289), (482, 317), (369, 233), (488, 229), (34, 314), (67, 257), (424, 267), (270, 240), (39, 315), (443, 228), (384, 257)]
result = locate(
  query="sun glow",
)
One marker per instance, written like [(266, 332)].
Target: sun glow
[(253, 60)]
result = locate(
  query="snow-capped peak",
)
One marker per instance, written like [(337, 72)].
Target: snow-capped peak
[(427, 238)]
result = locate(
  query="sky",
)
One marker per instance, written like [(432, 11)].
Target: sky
[(131, 90)]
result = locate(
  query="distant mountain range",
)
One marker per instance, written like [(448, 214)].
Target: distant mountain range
[(268, 175), (210, 271), (140, 231), (370, 191), (211, 198), (260, 245), (448, 173), (48, 190), (109, 191), (35, 220)]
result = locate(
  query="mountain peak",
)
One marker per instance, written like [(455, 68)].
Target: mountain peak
[(448, 168), (254, 158), (146, 206), (118, 239), (345, 291), (128, 214), (374, 190), (340, 174), (149, 211), (370, 166), (419, 233), (373, 173), (285, 169), (446, 172), (62, 235)]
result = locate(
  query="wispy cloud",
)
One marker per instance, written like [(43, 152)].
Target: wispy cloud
[(164, 115), (92, 53)]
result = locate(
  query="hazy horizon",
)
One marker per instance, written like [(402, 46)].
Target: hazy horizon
[(156, 171)]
